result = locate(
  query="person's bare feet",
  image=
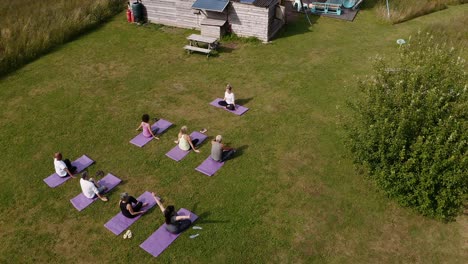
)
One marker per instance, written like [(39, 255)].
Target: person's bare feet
[(203, 131), (104, 199)]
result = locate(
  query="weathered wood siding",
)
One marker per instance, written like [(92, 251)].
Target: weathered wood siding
[(245, 20), (277, 20), (211, 31), (177, 13), (248, 20)]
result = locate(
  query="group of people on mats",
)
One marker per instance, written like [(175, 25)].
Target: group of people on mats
[(129, 205)]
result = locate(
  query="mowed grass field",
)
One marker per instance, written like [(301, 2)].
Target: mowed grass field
[(291, 195)]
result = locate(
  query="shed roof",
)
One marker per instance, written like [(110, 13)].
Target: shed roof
[(259, 3), (211, 5)]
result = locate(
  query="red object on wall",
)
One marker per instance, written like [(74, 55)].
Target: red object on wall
[(129, 16)]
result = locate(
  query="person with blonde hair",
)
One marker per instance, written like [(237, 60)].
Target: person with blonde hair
[(229, 101), (184, 141), (220, 152)]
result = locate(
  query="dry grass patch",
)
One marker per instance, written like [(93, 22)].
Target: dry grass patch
[(403, 10), (32, 27)]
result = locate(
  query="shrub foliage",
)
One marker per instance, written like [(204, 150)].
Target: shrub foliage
[(410, 127)]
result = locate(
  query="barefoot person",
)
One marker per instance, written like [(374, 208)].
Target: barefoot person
[(184, 141), (91, 188), (175, 224), (229, 101), (63, 168), (220, 152), (130, 206), (147, 132)]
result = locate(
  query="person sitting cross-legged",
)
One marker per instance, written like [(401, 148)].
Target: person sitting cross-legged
[(91, 188), (146, 127), (184, 140), (130, 206), (220, 152), (175, 224), (63, 168), (229, 101)]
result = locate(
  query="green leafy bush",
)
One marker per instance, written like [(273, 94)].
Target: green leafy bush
[(410, 127)]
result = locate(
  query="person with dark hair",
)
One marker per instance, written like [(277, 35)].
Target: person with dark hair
[(147, 132), (220, 152), (184, 140), (175, 224), (91, 188), (229, 101), (63, 168), (130, 206)]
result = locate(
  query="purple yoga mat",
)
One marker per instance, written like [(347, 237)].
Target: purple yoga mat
[(240, 110), (209, 166), (177, 154), (119, 222), (81, 202), (161, 239), (81, 163), (140, 140)]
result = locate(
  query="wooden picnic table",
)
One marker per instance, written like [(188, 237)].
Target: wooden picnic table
[(195, 38)]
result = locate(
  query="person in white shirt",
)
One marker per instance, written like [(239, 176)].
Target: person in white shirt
[(229, 100), (91, 188), (63, 168)]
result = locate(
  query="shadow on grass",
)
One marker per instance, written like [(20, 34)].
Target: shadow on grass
[(202, 219), (297, 23), (369, 4), (223, 49), (239, 151), (243, 101)]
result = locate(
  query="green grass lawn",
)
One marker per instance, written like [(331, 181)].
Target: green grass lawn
[(292, 194)]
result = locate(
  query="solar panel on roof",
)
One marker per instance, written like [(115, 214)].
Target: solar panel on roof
[(211, 5), (247, 1)]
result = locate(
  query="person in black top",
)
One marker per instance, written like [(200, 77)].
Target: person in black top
[(175, 224), (128, 209)]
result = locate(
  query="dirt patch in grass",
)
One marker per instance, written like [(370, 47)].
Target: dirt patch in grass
[(43, 89)]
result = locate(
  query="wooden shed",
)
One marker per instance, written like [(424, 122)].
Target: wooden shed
[(247, 18)]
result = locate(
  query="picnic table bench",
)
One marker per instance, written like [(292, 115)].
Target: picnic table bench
[(195, 40)]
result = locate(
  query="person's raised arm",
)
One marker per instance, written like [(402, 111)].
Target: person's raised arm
[(187, 137), (161, 206)]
